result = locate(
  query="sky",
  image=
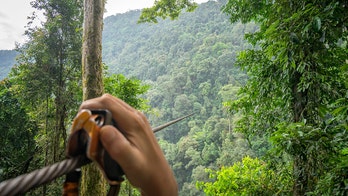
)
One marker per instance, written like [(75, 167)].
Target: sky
[(14, 13)]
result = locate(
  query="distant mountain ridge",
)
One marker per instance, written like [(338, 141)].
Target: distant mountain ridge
[(189, 62), (148, 45), (7, 61)]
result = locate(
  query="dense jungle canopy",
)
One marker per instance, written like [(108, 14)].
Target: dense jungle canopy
[(266, 80)]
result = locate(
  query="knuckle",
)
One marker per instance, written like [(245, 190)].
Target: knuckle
[(105, 97)]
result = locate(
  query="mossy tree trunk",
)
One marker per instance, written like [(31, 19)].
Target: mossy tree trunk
[(92, 182), (92, 49)]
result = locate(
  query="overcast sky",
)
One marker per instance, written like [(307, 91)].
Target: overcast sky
[(14, 13)]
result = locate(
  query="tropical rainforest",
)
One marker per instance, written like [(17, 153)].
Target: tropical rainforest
[(266, 82)]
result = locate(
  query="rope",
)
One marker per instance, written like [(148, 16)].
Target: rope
[(23, 183)]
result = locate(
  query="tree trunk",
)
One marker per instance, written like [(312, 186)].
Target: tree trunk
[(91, 49), (302, 176), (92, 182)]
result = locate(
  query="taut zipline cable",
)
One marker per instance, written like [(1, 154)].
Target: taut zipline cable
[(36, 178)]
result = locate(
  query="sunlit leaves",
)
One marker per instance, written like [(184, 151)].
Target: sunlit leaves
[(248, 177), (166, 8), (127, 89)]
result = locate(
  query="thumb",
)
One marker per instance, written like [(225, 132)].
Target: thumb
[(118, 147)]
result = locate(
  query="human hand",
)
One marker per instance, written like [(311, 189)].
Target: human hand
[(136, 149)]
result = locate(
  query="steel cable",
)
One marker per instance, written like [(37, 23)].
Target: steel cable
[(25, 182)]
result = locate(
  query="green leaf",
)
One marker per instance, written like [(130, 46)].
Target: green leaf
[(317, 23)]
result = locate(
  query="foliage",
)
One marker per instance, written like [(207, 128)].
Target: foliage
[(18, 131), (295, 78), (248, 177), (166, 8), (127, 89), (128, 190), (46, 79), (334, 181)]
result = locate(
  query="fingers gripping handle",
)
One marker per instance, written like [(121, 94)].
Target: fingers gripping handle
[(84, 138)]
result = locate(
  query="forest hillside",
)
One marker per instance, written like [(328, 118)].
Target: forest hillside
[(188, 61), (189, 64)]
